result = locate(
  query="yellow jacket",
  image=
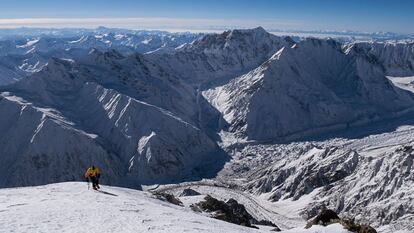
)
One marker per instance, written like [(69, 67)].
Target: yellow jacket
[(92, 172)]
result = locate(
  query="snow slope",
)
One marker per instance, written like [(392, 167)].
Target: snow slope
[(405, 83), (71, 207)]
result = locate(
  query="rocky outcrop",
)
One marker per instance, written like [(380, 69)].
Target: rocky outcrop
[(230, 211), (350, 225), (327, 216), (168, 198), (189, 192)]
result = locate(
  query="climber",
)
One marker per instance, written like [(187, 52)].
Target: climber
[(93, 174)]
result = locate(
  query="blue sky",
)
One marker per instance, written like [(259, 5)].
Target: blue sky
[(358, 15)]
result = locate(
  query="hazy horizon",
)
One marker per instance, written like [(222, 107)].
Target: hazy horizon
[(180, 29), (302, 15)]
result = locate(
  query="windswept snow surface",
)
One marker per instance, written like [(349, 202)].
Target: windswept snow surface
[(71, 207)]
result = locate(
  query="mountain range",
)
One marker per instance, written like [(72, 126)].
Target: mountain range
[(314, 122)]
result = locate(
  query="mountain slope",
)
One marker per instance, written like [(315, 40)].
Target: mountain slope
[(368, 179), (22, 56), (221, 56), (396, 58), (27, 145), (140, 141), (305, 88), (131, 75)]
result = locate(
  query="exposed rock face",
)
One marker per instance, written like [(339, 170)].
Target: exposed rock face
[(325, 217), (189, 192), (230, 211), (169, 198), (350, 225)]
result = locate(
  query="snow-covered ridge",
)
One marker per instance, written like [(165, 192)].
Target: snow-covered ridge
[(30, 53), (71, 207), (396, 58)]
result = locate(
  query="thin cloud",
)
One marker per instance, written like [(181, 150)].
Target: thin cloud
[(146, 23)]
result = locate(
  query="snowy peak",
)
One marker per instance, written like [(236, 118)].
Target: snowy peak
[(58, 64), (100, 58), (257, 30), (314, 78), (243, 39), (218, 57)]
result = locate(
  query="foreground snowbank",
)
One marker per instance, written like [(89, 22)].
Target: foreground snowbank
[(71, 207)]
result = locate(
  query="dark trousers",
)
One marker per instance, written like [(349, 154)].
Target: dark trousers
[(95, 181)]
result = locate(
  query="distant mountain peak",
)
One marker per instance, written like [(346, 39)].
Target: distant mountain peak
[(257, 31)]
